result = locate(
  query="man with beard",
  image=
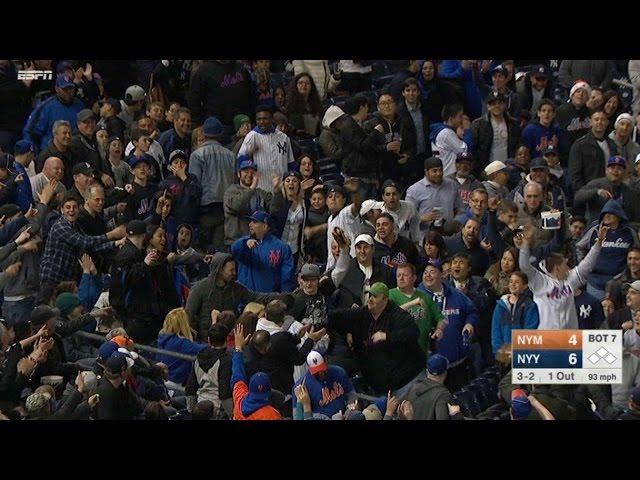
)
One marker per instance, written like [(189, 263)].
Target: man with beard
[(468, 240), (63, 106), (436, 198)]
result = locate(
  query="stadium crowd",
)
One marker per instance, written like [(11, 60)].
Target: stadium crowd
[(313, 239)]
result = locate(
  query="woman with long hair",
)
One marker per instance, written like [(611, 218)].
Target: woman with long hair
[(612, 107), (308, 173), (290, 220), (177, 336), (499, 273), (304, 107), (433, 250)]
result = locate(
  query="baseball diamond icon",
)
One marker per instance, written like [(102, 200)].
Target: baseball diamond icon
[(602, 354)]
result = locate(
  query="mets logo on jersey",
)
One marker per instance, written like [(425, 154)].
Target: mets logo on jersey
[(274, 257), (558, 293)]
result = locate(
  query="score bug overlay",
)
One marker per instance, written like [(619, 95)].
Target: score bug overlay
[(567, 356)]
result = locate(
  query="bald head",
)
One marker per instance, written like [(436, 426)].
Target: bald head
[(53, 168)]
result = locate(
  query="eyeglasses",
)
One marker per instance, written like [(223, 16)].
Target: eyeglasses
[(387, 103)]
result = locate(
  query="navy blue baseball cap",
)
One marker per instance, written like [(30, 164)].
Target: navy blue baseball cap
[(144, 158), (107, 349), (23, 146), (617, 160), (260, 216), (437, 364), (259, 386), (520, 404), (245, 161), (538, 163)]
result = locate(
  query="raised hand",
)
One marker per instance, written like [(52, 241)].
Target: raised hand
[(317, 335), (602, 233), (392, 405), (276, 181), (24, 236), (87, 265), (256, 179), (252, 243), (239, 337), (48, 192)]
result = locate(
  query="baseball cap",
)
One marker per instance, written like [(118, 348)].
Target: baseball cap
[(635, 285), (134, 93), (369, 205), (580, 85), (464, 156), (292, 173), (550, 150), (64, 81), (36, 401), (114, 102), (494, 167), (539, 163), (118, 362), (540, 71), (378, 288), (435, 264), (136, 227), (82, 168), (260, 216), (617, 160), (437, 364), (178, 154), (501, 70), (212, 127), (363, 237), (23, 146), (494, 96), (316, 362), (135, 160), (432, 162), (520, 404), (107, 349), (310, 270), (84, 115), (389, 183), (259, 386), (42, 313), (245, 161), (331, 115), (336, 189)]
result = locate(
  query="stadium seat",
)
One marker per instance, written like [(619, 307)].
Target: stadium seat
[(479, 393)]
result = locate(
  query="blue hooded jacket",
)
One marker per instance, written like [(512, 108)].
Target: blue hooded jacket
[(525, 316), (458, 310), (178, 369), (40, 122), (613, 255), (266, 268)]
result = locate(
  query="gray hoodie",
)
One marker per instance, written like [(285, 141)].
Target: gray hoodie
[(206, 296), (429, 399)]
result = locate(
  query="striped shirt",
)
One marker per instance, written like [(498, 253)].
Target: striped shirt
[(271, 152)]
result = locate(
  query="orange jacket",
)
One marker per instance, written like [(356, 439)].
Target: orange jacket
[(240, 392)]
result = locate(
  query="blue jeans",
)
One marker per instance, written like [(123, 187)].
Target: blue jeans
[(19, 311)]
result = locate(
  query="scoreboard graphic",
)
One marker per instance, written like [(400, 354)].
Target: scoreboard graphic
[(567, 356)]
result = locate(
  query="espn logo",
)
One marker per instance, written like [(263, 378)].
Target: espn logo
[(35, 74)]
